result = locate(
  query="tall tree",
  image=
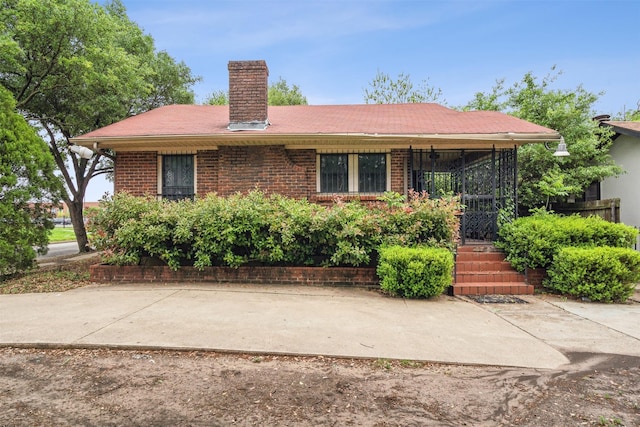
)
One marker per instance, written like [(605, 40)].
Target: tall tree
[(218, 97), (385, 90), (492, 101), (74, 66), (28, 190), (279, 94), (544, 178)]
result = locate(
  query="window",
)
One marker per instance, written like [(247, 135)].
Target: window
[(353, 173), (372, 173), (177, 177), (334, 173)]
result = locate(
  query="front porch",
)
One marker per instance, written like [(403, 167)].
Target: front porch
[(485, 179)]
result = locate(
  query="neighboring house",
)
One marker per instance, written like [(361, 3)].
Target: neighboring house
[(64, 209), (61, 215), (317, 152), (626, 153)]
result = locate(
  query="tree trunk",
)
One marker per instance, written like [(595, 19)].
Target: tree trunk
[(77, 220)]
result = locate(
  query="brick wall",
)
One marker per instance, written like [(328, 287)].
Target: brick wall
[(136, 173), (399, 170), (228, 170), (535, 277), (269, 168), (207, 167), (305, 276), (248, 91)]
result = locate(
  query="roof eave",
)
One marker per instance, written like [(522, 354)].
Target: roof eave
[(622, 130), (302, 141)]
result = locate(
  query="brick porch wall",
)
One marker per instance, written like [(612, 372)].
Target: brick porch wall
[(137, 173), (306, 276), (399, 170)]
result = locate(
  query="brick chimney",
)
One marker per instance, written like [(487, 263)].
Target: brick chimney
[(248, 90)]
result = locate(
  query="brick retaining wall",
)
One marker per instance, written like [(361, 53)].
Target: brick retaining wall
[(305, 276), (535, 276)]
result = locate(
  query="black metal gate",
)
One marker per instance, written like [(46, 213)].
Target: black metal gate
[(486, 181)]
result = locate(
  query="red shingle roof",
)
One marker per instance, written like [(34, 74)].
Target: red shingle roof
[(370, 119)]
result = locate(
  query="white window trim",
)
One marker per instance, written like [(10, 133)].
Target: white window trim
[(159, 169), (353, 169)]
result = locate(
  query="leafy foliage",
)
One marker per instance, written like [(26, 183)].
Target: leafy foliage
[(632, 115), (74, 66), (416, 272), (601, 274), (385, 90), (269, 230), (551, 185), (543, 178), (535, 241), (491, 101), (279, 94), (28, 190), (252, 228), (217, 97)]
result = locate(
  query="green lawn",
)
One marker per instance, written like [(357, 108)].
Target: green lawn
[(60, 234)]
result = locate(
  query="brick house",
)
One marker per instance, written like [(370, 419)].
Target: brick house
[(318, 151)]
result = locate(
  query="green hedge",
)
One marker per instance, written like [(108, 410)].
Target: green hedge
[(601, 274), (269, 230), (417, 272), (534, 241)]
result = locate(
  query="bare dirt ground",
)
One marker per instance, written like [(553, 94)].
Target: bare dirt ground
[(101, 387)]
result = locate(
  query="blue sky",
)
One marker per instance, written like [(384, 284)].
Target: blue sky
[(332, 49)]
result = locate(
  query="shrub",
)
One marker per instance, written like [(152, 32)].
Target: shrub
[(239, 229), (421, 220), (347, 233), (270, 230), (132, 228), (534, 241), (601, 274), (417, 272)]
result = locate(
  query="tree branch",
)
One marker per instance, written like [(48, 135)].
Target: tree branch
[(102, 171), (58, 157)]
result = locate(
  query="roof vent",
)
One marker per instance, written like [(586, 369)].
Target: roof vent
[(248, 95)]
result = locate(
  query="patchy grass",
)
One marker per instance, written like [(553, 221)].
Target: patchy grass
[(60, 234), (63, 277)]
